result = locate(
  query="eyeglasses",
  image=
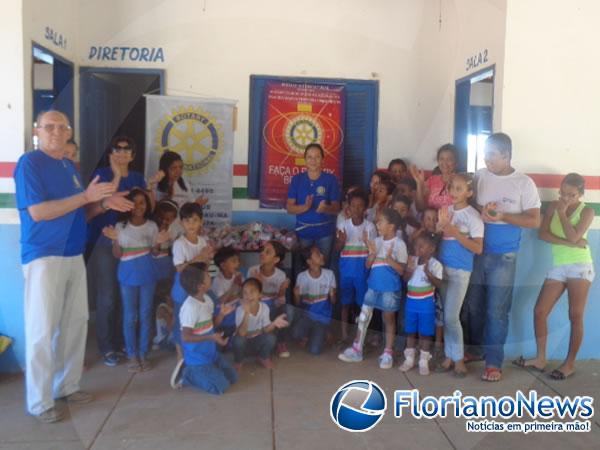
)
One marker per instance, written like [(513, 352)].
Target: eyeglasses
[(50, 127), (119, 149)]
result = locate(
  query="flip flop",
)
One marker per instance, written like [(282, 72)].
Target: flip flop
[(469, 358), (439, 368), (521, 362), (560, 375), (460, 375), (491, 374)]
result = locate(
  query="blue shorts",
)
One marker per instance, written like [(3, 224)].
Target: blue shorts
[(384, 301), (353, 289), (419, 316)]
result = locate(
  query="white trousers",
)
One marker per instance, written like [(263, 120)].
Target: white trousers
[(56, 316)]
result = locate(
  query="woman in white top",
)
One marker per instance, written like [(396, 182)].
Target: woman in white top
[(172, 185)]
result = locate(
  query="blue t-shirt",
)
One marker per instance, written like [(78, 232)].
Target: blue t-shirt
[(133, 179), (40, 178), (323, 188)]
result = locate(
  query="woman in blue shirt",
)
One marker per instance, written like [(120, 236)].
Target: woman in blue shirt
[(314, 198)]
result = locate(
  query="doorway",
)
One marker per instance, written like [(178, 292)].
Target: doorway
[(473, 117), (112, 103), (52, 84)]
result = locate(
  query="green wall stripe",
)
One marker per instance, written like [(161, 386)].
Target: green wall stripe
[(7, 200), (240, 193)]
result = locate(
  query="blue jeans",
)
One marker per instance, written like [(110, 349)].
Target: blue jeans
[(314, 330), (487, 305), (104, 290), (137, 306), (453, 291), (261, 345), (213, 378)]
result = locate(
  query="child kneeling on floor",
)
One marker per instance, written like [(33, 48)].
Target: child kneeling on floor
[(202, 367), (254, 332)]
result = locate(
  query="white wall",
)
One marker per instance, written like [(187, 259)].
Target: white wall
[(551, 99), (213, 51), (11, 86)]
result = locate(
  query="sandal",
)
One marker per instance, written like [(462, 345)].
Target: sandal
[(459, 374), (133, 366), (469, 358), (559, 375), (439, 368), (145, 365), (491, 374), (522, 363)]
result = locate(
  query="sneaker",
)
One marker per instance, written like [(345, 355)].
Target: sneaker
[(424, 363), (350, 355), (177, 375), (51, 415), (409, 360), (79, 398), (110, 359), (386, 361), (282, 351), (266, 363)]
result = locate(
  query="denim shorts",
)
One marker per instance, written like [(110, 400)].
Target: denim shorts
[(384, 301), (572, 272)]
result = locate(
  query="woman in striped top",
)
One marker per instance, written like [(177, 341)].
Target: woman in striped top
[(135, 239)]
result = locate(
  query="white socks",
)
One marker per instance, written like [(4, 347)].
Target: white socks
[(424, 363), (409, 361)]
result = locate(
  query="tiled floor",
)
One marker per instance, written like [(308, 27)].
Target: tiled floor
[(287, 408)]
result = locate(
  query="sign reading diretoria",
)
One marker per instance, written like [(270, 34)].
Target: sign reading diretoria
[(147, 54)]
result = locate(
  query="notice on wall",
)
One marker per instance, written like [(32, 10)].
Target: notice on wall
[(201, 131), (296, 115)]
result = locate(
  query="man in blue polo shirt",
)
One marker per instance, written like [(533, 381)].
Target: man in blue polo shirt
[(53, 208)]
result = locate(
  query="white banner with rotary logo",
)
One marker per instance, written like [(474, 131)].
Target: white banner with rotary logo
[(201, 132)]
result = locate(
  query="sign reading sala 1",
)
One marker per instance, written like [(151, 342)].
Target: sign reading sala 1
[(477, 60), (56, 38), (147, 54)]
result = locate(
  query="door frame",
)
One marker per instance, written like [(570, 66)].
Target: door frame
[(470, 77), (115, 70), (63, 60)]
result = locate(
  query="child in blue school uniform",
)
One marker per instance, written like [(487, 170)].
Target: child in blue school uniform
[(350, 240), (190, 247), (202, 367), (274, 288), (424, 276), (315, 293), (134, 240), (387, 260)]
